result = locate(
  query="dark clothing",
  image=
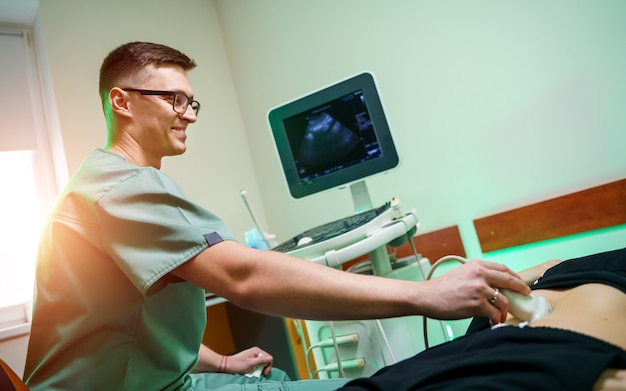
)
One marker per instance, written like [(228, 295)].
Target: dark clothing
[(607, 268), (506, 358)]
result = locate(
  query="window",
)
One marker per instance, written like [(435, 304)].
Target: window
[(27, 175), (21, 217)]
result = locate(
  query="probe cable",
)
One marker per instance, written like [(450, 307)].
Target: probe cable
[(435, 265)]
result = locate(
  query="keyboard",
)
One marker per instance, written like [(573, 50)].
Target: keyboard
[(332, 229)]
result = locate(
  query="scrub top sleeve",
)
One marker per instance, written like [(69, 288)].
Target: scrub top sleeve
[(150, 228)]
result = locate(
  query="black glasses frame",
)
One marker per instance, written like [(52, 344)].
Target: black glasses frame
[(195, 105)]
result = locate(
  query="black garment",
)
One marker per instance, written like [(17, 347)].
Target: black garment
[(608, 268), (507, 358), (511, 358)]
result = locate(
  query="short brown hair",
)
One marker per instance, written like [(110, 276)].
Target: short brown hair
[(130, 59)]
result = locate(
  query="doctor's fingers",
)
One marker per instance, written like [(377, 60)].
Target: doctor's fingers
[(262, 357), (497, 306), (500, 276)]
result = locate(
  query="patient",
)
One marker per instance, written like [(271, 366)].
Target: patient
[(581, 345)]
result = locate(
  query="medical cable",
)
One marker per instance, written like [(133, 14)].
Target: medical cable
[(382, 333), (415, 253), (435, 265), (427, 277), (336, 346)]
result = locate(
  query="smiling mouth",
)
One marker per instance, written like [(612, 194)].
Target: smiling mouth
[(180, 133)]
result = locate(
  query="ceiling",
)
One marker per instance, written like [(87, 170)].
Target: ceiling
[(18, 12)]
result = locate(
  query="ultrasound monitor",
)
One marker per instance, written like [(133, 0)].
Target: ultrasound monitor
[(334, 137)]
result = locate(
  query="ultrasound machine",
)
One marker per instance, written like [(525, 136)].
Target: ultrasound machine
[(337, 137)]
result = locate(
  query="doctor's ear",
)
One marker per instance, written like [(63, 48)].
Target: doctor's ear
[(118, 100)]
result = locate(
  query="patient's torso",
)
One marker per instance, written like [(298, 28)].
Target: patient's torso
[(592, 309), (588, 296)]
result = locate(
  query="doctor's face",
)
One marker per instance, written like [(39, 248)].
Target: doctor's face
[(162, 108)]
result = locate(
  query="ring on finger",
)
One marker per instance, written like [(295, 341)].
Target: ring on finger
[(495, 296)]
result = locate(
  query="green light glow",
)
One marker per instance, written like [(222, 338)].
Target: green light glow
[(562, 240)]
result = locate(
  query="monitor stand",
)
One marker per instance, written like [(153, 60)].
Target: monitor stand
[(360, 197), (379, 257)]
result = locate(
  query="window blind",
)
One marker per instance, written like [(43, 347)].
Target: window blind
[(17, 123), (27, 172)]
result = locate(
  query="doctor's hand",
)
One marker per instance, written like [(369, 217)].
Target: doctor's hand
[(470, 290), (246, 361)]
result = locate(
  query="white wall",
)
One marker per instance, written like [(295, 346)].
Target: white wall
[(493, 104)]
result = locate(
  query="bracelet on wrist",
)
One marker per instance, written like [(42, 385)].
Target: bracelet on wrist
[(223, 363)]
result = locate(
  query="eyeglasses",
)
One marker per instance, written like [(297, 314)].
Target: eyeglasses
[(180, 101)]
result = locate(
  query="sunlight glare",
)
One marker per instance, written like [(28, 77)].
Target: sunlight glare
[(20, 226)]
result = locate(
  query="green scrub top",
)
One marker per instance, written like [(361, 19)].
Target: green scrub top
[(107, 315)]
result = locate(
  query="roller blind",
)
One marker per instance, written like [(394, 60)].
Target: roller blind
[(27, 177), (17, 124)]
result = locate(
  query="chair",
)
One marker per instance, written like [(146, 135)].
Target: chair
[(9, 380)]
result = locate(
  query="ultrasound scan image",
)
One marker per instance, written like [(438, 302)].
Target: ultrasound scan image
[(326, 140)]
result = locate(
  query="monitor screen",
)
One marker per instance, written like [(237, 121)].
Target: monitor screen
[(333, 137)]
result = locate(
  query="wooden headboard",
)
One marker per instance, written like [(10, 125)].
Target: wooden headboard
[(587, 210), (434, 245)]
